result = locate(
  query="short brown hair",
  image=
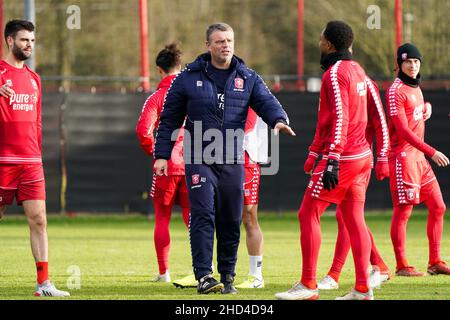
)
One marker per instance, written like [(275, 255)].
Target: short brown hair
[(221, 26), (16, 25)]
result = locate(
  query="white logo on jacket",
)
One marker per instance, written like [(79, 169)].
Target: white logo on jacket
[(34, 84), (221, 99), (418, 113), (238, 85), (22, 101), (361, 89)]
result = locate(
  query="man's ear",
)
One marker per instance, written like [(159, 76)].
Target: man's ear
[(9, 41), (331, 46)]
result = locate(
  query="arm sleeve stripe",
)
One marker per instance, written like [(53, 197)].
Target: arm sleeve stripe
[(338, 102), (392, 97), (384, 128)]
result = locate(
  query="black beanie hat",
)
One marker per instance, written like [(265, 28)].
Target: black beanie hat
[(407, 51)]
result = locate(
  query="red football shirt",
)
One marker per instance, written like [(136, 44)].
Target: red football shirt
[(20, 116), (406, 125), (149, 121), (342, 117)]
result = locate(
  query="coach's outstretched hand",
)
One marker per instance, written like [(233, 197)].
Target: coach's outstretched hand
[(281, 127), (330, 175), (160, 167)]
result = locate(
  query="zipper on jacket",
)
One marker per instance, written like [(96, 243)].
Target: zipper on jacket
[(225, 90), (215, 96)]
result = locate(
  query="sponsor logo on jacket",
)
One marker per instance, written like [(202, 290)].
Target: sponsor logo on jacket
[(22, 101), (34, 84), (361, 89), (418, 113), (238, 84)]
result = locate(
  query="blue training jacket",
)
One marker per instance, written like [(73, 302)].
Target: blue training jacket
[(193, 96)]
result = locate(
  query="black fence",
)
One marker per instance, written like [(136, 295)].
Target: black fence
[(93, 162)]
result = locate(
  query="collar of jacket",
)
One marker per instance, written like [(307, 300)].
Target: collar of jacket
[(166, 81), (202, 62), (330, 59), (408, 80)]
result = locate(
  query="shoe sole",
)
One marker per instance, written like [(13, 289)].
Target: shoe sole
[(432, 273), (245, 287), (365, 299), (41, 295), (328, 289), (177, 285), (314, 297), (217, 288), (232, 292), (410, 275)]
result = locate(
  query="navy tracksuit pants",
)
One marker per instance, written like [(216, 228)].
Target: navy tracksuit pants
[(216, 198)]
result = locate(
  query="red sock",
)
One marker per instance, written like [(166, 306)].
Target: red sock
[(375, 257), (362, 288), (310, 237), (382, 266), (342, 247), (435, 224), (353, 213), (42, 271), (398, 233), (334, 274), (161, 235)]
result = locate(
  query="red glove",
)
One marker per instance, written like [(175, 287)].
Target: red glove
[(308, 167), (381, 170)]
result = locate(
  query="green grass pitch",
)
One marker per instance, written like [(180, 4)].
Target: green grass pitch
[(116, 258)]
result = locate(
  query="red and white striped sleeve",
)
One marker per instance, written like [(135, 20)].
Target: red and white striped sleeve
[(395, 100), (377, 120), (148, 120), (396, 112)]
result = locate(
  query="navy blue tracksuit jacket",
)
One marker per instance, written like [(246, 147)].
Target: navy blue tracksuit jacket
[(215, 189)]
